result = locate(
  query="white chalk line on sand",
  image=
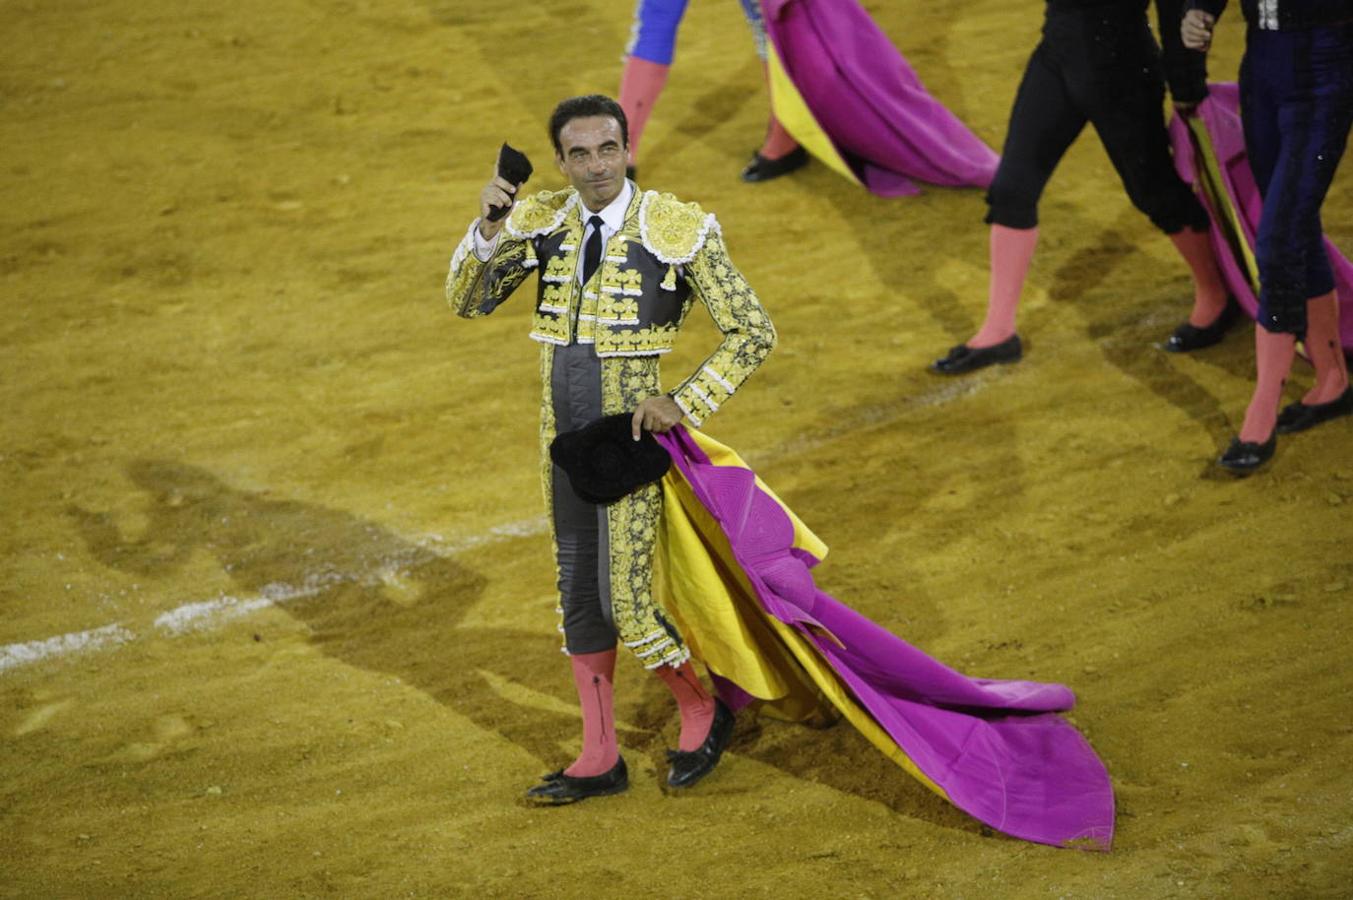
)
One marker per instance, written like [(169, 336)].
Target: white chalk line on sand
[(206, 615)]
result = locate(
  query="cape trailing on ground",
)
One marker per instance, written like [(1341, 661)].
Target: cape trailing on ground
[(1209, 153), (842, 89), (734, 572)]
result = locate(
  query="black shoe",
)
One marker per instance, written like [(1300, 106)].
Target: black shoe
[(963, 358), (689, 766), (557, 788), (1243, 457), (1300, 416), (762, 169), (1187, 338)]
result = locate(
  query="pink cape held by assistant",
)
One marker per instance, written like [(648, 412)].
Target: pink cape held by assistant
[(1209, 153), (734, 571), (841, 88)]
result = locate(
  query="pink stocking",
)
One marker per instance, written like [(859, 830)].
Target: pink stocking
[(1209, 292), (640, 86), (1012, 249), (1322, 344), (1273, 355), (778, 142), (593, 674), (696, 705)]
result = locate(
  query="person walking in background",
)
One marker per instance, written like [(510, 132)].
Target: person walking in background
[(648, 59), (1098, 63), (1296, 101)]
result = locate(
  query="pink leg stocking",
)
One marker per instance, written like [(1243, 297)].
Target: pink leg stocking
[(1012, 249), (1273, 355), (593, 674), (640, 86), (1209, 292), (778, 142), (696, 705), (1322, 344)]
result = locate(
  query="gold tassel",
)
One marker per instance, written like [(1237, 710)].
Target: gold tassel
[(669, 282)]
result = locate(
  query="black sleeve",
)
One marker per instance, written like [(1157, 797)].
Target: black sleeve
[(1185, 70)]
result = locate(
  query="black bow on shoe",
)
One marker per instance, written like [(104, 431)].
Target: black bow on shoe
[(556, 788), (689, 766)]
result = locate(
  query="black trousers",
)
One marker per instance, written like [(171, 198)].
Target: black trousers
[(1105, 70)]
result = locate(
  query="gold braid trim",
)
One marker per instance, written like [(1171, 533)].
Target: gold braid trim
[(540, 213), (475, 288), (673, 231), (748, 335)]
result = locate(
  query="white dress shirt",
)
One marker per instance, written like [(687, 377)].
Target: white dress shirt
[(612, 219)]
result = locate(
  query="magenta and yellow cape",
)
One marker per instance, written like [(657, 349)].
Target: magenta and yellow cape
[(841, 88), (734, 573)]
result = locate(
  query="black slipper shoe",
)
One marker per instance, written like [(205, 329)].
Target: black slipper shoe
[(762, 169), (1244, 457), (963, 358), (689, 766), (556, 788), (1187, 338), (1300, 416)]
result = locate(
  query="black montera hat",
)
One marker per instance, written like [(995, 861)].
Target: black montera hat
[(604, 462), (515, 168)]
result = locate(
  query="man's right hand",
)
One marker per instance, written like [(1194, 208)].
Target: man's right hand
[(498, 192), (1195, 29)]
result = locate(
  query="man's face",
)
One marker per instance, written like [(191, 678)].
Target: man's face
[(593, 158)]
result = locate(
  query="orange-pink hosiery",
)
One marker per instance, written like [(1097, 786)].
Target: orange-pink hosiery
[(1273, 354), (1209, 291), (594, 675), (1012, 249), (696, 705), (641, 83), (1322, 346)]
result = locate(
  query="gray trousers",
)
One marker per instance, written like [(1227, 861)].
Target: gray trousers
[(580, 532)]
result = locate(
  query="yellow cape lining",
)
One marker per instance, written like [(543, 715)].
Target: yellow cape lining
[(789, 107), (706, 592)]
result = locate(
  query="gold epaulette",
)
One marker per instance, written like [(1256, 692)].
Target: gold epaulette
[(673, 231), (540, 213)]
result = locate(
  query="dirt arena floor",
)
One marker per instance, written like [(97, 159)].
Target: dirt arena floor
[(276, 614)]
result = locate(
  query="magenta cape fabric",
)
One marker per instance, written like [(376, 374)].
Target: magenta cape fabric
[(995, 747), (870, 102), (1220, 113)]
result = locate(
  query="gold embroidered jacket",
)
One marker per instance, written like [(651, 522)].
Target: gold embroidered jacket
[(666, 254)]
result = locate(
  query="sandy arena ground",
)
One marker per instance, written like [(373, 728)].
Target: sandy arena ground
[(277, 606)]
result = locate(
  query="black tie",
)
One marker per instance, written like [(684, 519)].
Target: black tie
[(592, 252)]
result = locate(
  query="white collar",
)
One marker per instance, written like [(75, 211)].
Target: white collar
[(613, 216)]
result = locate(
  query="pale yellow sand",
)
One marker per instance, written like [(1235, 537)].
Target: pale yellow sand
[(228, 375)]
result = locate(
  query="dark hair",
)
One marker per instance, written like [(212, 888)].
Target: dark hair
[(582, 107)]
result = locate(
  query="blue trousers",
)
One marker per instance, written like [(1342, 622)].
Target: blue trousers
[(654, 33), (1296, 106)]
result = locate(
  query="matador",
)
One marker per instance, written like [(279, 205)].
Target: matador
[(619, 270)]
